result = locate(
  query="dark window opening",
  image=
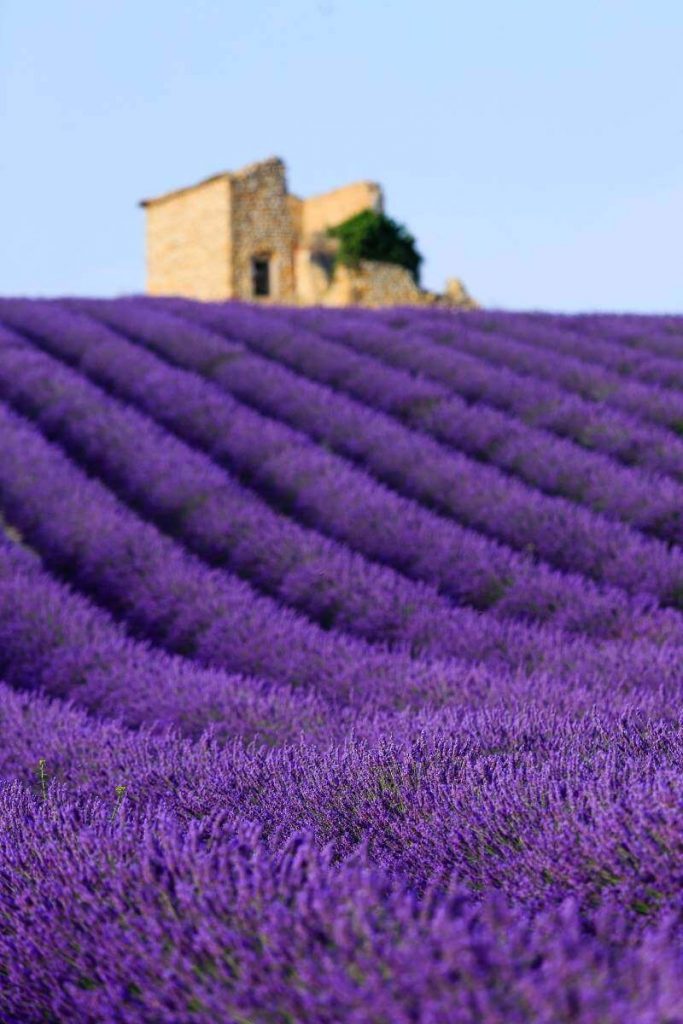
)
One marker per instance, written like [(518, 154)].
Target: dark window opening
[(260, 275)]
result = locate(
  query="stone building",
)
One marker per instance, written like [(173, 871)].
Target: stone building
[(243, 235)]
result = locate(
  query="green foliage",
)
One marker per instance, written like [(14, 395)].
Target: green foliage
[(374, 236)]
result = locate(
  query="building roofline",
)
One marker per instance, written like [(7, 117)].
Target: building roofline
[(221, 176), (343, 188)]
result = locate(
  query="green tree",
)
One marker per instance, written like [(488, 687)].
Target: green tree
[(374, 236)]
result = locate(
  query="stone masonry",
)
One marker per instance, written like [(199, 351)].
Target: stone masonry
[(243, 235)]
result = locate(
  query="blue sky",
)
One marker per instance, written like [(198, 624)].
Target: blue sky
[(534, 149)]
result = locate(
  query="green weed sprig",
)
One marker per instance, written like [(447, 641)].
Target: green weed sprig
[(120, 793), (42, 775)]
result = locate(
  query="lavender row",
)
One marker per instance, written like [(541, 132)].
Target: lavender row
[(649, 403), (662, 335), (545, 333), (545, 818), (570, 538), (653, 401), (53, 639), (229, 526), (556, 466), (583, 336), (174, 599), (556, 779), (143, 846), (537, 403), (325, 490)]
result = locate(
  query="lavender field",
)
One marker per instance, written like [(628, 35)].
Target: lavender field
[(341, 661)]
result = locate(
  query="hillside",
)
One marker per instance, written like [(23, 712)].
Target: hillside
[(341, 661)]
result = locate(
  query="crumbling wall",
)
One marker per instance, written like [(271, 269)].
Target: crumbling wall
[(188, 242), (454, 296), (371, 284)]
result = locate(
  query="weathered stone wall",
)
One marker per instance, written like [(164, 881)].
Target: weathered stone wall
[(331, 208), (188, 242), (262, 226), (372, 284)]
